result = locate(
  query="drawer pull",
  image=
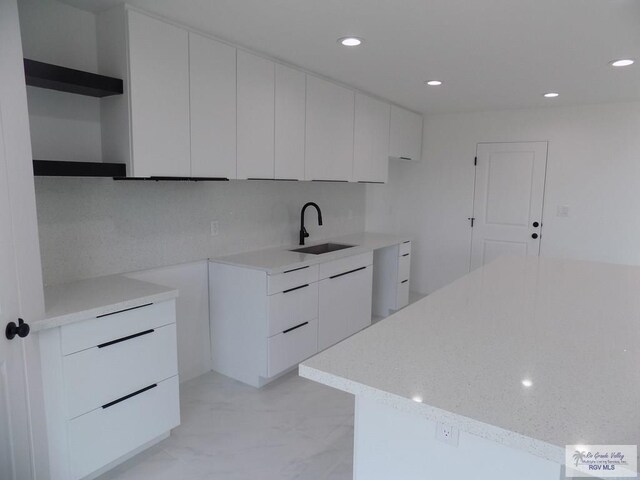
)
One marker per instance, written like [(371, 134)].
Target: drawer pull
[(405, 158), (124, 339), (125, 310), (126, 397), (293, 328), (295, 288), (404, 281), (405, 255), (408, 241), (295, 269), (347, 273)]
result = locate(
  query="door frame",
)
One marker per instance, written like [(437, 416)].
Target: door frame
[(473, 193)]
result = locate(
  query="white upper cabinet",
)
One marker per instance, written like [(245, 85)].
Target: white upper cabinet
[(371, 140), (405, 140), (212, 76), (159, 89), (289, 123), (256, 116), (329, 131)]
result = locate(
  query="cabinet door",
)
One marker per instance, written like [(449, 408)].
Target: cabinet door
[(345, 306), (212, 76), (371, 140), (290, 118), (256, 116), (159, 85), (405, 140), (329, 131)]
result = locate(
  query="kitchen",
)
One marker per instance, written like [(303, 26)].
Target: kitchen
[(296, 135)]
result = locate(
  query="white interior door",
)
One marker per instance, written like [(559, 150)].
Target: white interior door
[(507, 207), (15, 449)]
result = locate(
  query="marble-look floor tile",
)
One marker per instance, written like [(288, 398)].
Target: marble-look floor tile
[(290, 429)]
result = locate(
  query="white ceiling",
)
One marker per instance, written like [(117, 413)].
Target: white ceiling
[(491, 54)]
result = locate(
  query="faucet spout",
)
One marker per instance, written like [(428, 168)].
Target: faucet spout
[(303, 231)]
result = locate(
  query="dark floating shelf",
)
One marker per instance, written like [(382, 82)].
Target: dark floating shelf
[(54, 77), (54, 168)]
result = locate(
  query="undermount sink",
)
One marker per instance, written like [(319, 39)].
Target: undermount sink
[(322, 248)]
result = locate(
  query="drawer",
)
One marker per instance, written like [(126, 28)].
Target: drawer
[(290, 348), (405, 248), (292, 307), (99, 375), (404, 267), (346, 264), (291, 279), (106, 328), (402, 299), (105, 434)]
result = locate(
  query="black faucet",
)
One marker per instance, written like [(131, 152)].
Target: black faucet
[(303, 231)]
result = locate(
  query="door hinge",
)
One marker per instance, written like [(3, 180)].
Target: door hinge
[(471, 219), (475, 161)]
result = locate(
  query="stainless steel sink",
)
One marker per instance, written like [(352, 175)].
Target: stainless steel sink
[(322, 248)]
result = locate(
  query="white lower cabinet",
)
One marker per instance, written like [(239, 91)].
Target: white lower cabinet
[(263, 325), (110, 386), (345, 304), (391, 279)]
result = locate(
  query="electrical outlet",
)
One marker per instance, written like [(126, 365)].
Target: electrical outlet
[(447, 434), (214, 228), (562, 211)]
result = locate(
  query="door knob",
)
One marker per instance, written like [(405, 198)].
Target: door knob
[(534, 235), (536, 224), (21, 329)]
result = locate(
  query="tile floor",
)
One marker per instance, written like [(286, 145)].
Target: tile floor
[(290, 429)]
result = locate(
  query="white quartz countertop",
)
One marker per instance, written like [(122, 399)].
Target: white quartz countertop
[(75, 301), (461, 355), (279, 259)]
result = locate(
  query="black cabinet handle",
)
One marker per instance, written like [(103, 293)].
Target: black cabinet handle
[(127, 397), (295, 269), (293, 328), (405, 158), (534, 235), (124, 339), (21, 329), (125, 310), (405, 255), (404, 281), (347, 273), (295, 288)]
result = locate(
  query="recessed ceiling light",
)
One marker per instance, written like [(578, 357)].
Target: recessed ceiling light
[(624, 62), (350, 41), (551, 95), (433, 83), (527, 383)]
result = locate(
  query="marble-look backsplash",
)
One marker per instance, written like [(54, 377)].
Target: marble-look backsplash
[(90, 227)]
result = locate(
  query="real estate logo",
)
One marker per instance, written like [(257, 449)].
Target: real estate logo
[(602, 461)]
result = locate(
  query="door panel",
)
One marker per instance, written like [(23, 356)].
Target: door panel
[(509, 191)]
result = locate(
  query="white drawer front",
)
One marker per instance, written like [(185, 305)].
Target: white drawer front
[(291, 279), (103, 435), (89, 333), (403, 294), (405, 248), (97, 376), (404, 267), (292, 307), (346, 264), (288, 349)]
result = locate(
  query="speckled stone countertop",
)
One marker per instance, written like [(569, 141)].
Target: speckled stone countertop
[(278, 259), (75, 301), (532, 353)]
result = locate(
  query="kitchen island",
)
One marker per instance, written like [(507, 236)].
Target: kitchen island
[(491, 376)]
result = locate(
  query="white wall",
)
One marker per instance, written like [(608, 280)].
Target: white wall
[(63, 126), (593, 167)]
